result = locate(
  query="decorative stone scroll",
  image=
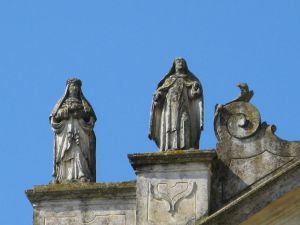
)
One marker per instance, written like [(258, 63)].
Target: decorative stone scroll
[(248, 148)]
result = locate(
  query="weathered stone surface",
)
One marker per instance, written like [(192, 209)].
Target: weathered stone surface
[(284, 210), (73, 120), (277, 184), (173, 188), (176, 118), (250, 169), (140, 160), (248, 149), (84, 203)]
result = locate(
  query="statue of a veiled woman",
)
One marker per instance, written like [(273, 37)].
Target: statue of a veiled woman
[(177, 109), (72, 120)]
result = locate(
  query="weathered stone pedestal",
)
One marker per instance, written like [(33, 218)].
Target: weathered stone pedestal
[(173, 188), (82, 204)]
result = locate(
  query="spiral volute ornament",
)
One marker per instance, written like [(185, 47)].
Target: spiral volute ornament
[(243, 119)]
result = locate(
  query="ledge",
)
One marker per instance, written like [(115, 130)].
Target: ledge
[(171, 157), (82, 191)]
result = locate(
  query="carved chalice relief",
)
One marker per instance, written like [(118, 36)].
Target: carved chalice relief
[(172, 193)]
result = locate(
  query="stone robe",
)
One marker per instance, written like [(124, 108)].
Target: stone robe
[(74, 141), (177, 115)]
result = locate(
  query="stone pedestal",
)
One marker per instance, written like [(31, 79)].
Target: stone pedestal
[(82, 204), (172, 188)]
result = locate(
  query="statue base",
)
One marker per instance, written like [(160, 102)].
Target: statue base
[(83, 203), (173, 187)]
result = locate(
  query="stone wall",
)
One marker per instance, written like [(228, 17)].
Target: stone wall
[(82, 204)]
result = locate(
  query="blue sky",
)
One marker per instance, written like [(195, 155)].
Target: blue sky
[(121, 50)]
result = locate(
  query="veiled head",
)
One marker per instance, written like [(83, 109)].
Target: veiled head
[(74, 81), (74, 87), (179, 65), (73, 90)]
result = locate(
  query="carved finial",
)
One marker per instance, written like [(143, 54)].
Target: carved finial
[(249, 148), (245, 95)]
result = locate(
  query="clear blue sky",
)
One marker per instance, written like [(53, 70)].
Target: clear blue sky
[(120, 50)]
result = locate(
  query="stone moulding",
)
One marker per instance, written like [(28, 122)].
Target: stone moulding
[(84, 203), (81, 190), (172, 156), (87, 219)]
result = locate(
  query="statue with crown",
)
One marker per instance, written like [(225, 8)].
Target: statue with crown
[(72, 120)]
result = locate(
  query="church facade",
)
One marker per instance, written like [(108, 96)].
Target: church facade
[(252, 177)]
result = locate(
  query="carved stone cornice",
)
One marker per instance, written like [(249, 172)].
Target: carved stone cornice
[(170, 157), (81, 191)]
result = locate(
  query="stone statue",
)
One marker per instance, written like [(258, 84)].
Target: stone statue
[(176, 119), (72, 120)]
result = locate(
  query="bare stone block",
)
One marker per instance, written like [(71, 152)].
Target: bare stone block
[(84, 203)]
